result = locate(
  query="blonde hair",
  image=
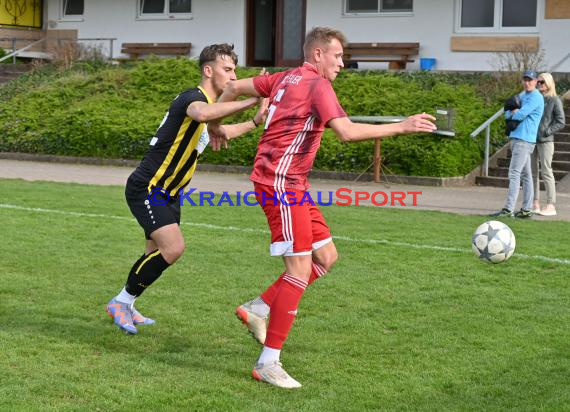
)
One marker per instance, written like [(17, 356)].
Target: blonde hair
[(321, 36), (549, 83)]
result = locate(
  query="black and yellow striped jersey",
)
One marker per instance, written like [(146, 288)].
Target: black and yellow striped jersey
[(172, 156)]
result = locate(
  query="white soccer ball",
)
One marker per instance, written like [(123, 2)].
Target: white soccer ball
[(493, 242)]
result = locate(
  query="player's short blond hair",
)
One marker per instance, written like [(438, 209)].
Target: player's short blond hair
[(321, 36)]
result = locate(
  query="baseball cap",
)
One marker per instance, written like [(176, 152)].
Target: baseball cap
[(531, 74)]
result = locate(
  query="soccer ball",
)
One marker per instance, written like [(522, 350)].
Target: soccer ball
[(493, 242)]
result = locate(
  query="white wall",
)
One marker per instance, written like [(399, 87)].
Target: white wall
[(554, 39), (213, 21), (216, 21), (432, 25)]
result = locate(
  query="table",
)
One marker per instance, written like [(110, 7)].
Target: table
[(377, 142)]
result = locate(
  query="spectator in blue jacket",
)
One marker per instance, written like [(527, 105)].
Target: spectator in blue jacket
[(523, 140)]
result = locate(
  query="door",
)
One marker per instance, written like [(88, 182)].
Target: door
[(275, 32), (290, 32)]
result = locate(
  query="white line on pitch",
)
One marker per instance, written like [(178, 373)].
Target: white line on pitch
[(249, 230)]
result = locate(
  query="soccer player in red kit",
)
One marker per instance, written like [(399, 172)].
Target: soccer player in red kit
[(302, 103)]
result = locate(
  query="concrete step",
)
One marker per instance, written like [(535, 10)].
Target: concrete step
[(561, 146), (15, 68), (4, 78), (36, 55), (10, 72), (562, 137), (559, 165), (497, 182), (491, 181), (503, 162), (504, 172), (561, 156), (558, 155)]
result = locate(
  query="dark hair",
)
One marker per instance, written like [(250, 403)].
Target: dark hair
[(323, 36), (212, 51)]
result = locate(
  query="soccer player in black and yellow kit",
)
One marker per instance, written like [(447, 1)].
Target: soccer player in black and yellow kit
[(152, 189)]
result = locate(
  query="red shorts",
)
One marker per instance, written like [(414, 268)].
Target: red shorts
[(297, 226)]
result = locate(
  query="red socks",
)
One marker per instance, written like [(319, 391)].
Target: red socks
[(283, 297), (269, 295), (284, 310)]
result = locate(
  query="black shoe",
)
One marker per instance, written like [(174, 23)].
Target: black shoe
[(503, 213), (524, 214)]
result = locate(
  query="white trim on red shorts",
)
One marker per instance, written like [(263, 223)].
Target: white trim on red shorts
[(285, 249), (321, 243)]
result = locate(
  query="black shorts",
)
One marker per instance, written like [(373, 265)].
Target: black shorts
[(152, 212)]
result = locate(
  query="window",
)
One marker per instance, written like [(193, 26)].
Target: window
[(378, 6), (165, 8), (497, 15), (72, 8), (525, 15)]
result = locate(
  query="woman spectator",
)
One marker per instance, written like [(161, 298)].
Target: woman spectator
[(552, 121)]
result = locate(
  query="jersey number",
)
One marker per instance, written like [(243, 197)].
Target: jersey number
[(273, 107)]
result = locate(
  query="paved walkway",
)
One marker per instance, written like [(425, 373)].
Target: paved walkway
[(463, 200)]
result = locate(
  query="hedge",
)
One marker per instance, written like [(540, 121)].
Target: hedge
[(113, 111)]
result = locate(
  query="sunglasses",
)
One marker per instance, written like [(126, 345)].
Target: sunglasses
[(541, 82)]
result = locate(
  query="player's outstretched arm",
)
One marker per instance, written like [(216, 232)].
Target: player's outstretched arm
[(347, 131), (236, 88), (203, 112), (220, 134)]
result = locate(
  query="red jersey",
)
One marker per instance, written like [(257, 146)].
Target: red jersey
[(301, 104)]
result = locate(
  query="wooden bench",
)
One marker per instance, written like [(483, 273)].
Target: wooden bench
[(396, 54), (137, 49)]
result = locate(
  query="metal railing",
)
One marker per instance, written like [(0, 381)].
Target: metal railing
[(15, 51), (487, 127)]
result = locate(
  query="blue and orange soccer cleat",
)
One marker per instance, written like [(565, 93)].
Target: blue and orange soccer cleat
[(122, 315), (139, 319)]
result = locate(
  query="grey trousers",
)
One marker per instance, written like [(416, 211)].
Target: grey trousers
[(543, 155), (520, 169)]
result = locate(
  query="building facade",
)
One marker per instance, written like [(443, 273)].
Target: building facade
[(458, 34)]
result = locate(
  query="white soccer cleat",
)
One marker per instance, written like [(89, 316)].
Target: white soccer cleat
[(275, 375), (256, 324)]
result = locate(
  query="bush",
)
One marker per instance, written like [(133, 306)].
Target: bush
[(112, 112)]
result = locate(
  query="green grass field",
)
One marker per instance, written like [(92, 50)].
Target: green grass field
[(408, 320)]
